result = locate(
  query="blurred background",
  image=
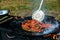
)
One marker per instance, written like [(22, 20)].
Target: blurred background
[(27, 7)]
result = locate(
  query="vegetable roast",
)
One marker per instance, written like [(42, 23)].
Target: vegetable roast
[(34, 26)]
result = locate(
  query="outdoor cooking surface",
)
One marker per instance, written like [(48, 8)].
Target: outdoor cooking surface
[(39, 22), (33, 22), (47, 26)]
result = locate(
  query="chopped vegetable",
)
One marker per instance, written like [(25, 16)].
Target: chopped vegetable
[(34, 26)]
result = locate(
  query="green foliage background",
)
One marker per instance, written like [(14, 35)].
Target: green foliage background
[(26, 7)]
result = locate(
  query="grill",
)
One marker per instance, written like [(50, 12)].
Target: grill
[(15, 29)]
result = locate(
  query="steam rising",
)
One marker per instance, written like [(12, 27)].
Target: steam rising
[(38, 15), (51, 28)]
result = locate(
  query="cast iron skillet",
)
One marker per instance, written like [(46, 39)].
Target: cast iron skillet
[(48, 19)]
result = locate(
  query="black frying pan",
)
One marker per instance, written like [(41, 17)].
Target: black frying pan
[(48, 19)]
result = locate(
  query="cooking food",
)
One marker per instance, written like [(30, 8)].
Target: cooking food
[(34, 26)]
